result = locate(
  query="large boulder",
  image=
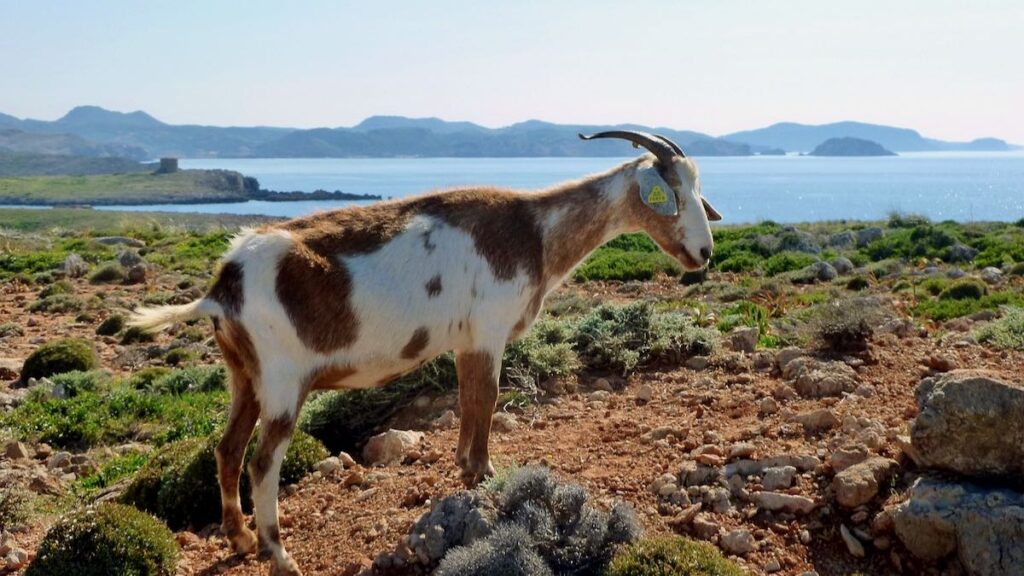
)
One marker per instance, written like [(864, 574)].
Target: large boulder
[(969, 422), (983, 526), (860, 483)]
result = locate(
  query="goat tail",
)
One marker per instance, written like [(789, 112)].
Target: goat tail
[(158, 318)]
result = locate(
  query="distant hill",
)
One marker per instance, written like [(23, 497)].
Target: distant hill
[(794, 137), (15, 141), (399, 136), (850, 147), (61, 165)]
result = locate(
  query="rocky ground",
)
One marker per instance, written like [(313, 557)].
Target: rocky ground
[(746, 449)]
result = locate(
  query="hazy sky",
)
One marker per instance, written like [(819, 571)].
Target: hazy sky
[(949, 69)]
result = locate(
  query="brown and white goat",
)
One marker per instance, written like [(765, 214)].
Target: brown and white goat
[(353, 298)]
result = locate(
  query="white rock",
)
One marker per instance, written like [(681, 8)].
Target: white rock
[(739, 542), (779, 502), (644, 394), (347, 460), (503, 422), (852, 544), (778, 477), (444, 421), (390, 447), (328, 465)]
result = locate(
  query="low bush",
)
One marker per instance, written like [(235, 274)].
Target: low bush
[(11, 329), (59, 287), (145, 378), (179, 482), (857, 283), (178, 356), (136, 335), (536, 526), (845, 325), (345, 419), (964, 290), (111, 326), (106, 539), (15, 507), (1017, 269), (787, 262), (1006, 332), (57, 303), (941, 310), (615, 264), (745, 313), (933, 286), (60, 356), (110, 273), (196, 379), (544, 352), (77, 382), (739, 262), (671, 556)]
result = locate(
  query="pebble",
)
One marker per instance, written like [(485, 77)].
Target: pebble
[(739, 542), (504, 422), (16, 450), (346, 460), (602, 384), (329, 465), (852, 544), (644, 394), (772, 566)]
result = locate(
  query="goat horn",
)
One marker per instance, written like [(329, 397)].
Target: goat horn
[(674, 146), (661, 149)]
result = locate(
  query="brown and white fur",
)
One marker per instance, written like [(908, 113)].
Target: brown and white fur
[(353, 298)]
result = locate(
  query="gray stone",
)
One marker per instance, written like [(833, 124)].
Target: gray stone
[(744, 338), (992, 275), (129, 258), (136, 274), (780, 502), (822, 272), (787, 355), (813, 379), (842, 265), (503, 422), (842, 239), (970, 423), (960, 252), (328, 465), (983, 526), (778, 477), (794, 240), (697, 362), (817, 420), (739, 542), (955, 273), (115, 240), (868, 235), (860, 483), (852, 544)]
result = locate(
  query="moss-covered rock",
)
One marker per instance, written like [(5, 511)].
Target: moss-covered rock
[(59, 356), (671, 556), (179, 483), (103, 540)]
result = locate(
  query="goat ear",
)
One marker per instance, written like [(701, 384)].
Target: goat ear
[(713, 214), (656, 193)]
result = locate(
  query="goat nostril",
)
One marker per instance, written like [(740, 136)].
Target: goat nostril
[(705, 253)]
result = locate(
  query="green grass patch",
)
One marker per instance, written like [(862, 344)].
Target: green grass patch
[(1006, 332)]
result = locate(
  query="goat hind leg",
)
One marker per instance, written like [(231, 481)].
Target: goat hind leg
[(265, 472), (230, 453)]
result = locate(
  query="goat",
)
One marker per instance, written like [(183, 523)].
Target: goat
[(356, 297)]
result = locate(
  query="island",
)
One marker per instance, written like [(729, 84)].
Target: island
[(166, 185), (850, 147)]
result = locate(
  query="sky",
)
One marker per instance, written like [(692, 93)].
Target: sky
[(951, 70)]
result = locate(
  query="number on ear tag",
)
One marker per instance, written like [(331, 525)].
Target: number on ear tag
[(656, 193)]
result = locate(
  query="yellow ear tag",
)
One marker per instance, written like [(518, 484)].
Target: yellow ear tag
[(657, 195)]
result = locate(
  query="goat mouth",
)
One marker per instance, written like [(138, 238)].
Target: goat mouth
[(688, 262)]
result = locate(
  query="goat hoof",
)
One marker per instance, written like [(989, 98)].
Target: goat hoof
[(286, 568), (244, 542), (476, 475)]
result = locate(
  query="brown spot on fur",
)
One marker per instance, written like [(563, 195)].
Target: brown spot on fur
[(433, 286), (272, 433), (314, 289), (416, 344), (227, 290), (327, 377)]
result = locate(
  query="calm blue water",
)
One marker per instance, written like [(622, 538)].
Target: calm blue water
[(953, 185)]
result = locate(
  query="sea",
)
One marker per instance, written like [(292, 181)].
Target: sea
[(961, 186)]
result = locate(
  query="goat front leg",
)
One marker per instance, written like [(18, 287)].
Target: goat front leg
[(478, 373), (265, 472)]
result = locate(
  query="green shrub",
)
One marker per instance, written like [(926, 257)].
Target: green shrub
[(787, 262), (671, 556), (60, 356), (179, 482), (112, 325), (114, 470), (615, 264), (103, 540), (1017, 269), (1006, 332), (934, 286), (77, 382), (145, 378), (739, 262), (345, 419), (110, 273), (195, 379), (965, 289), (544, 352), (57, 303), (135, 335), (15, 507), (60, 287), (858, 283), (178, 356), (948, 309), (11, 329), (745, 313)]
